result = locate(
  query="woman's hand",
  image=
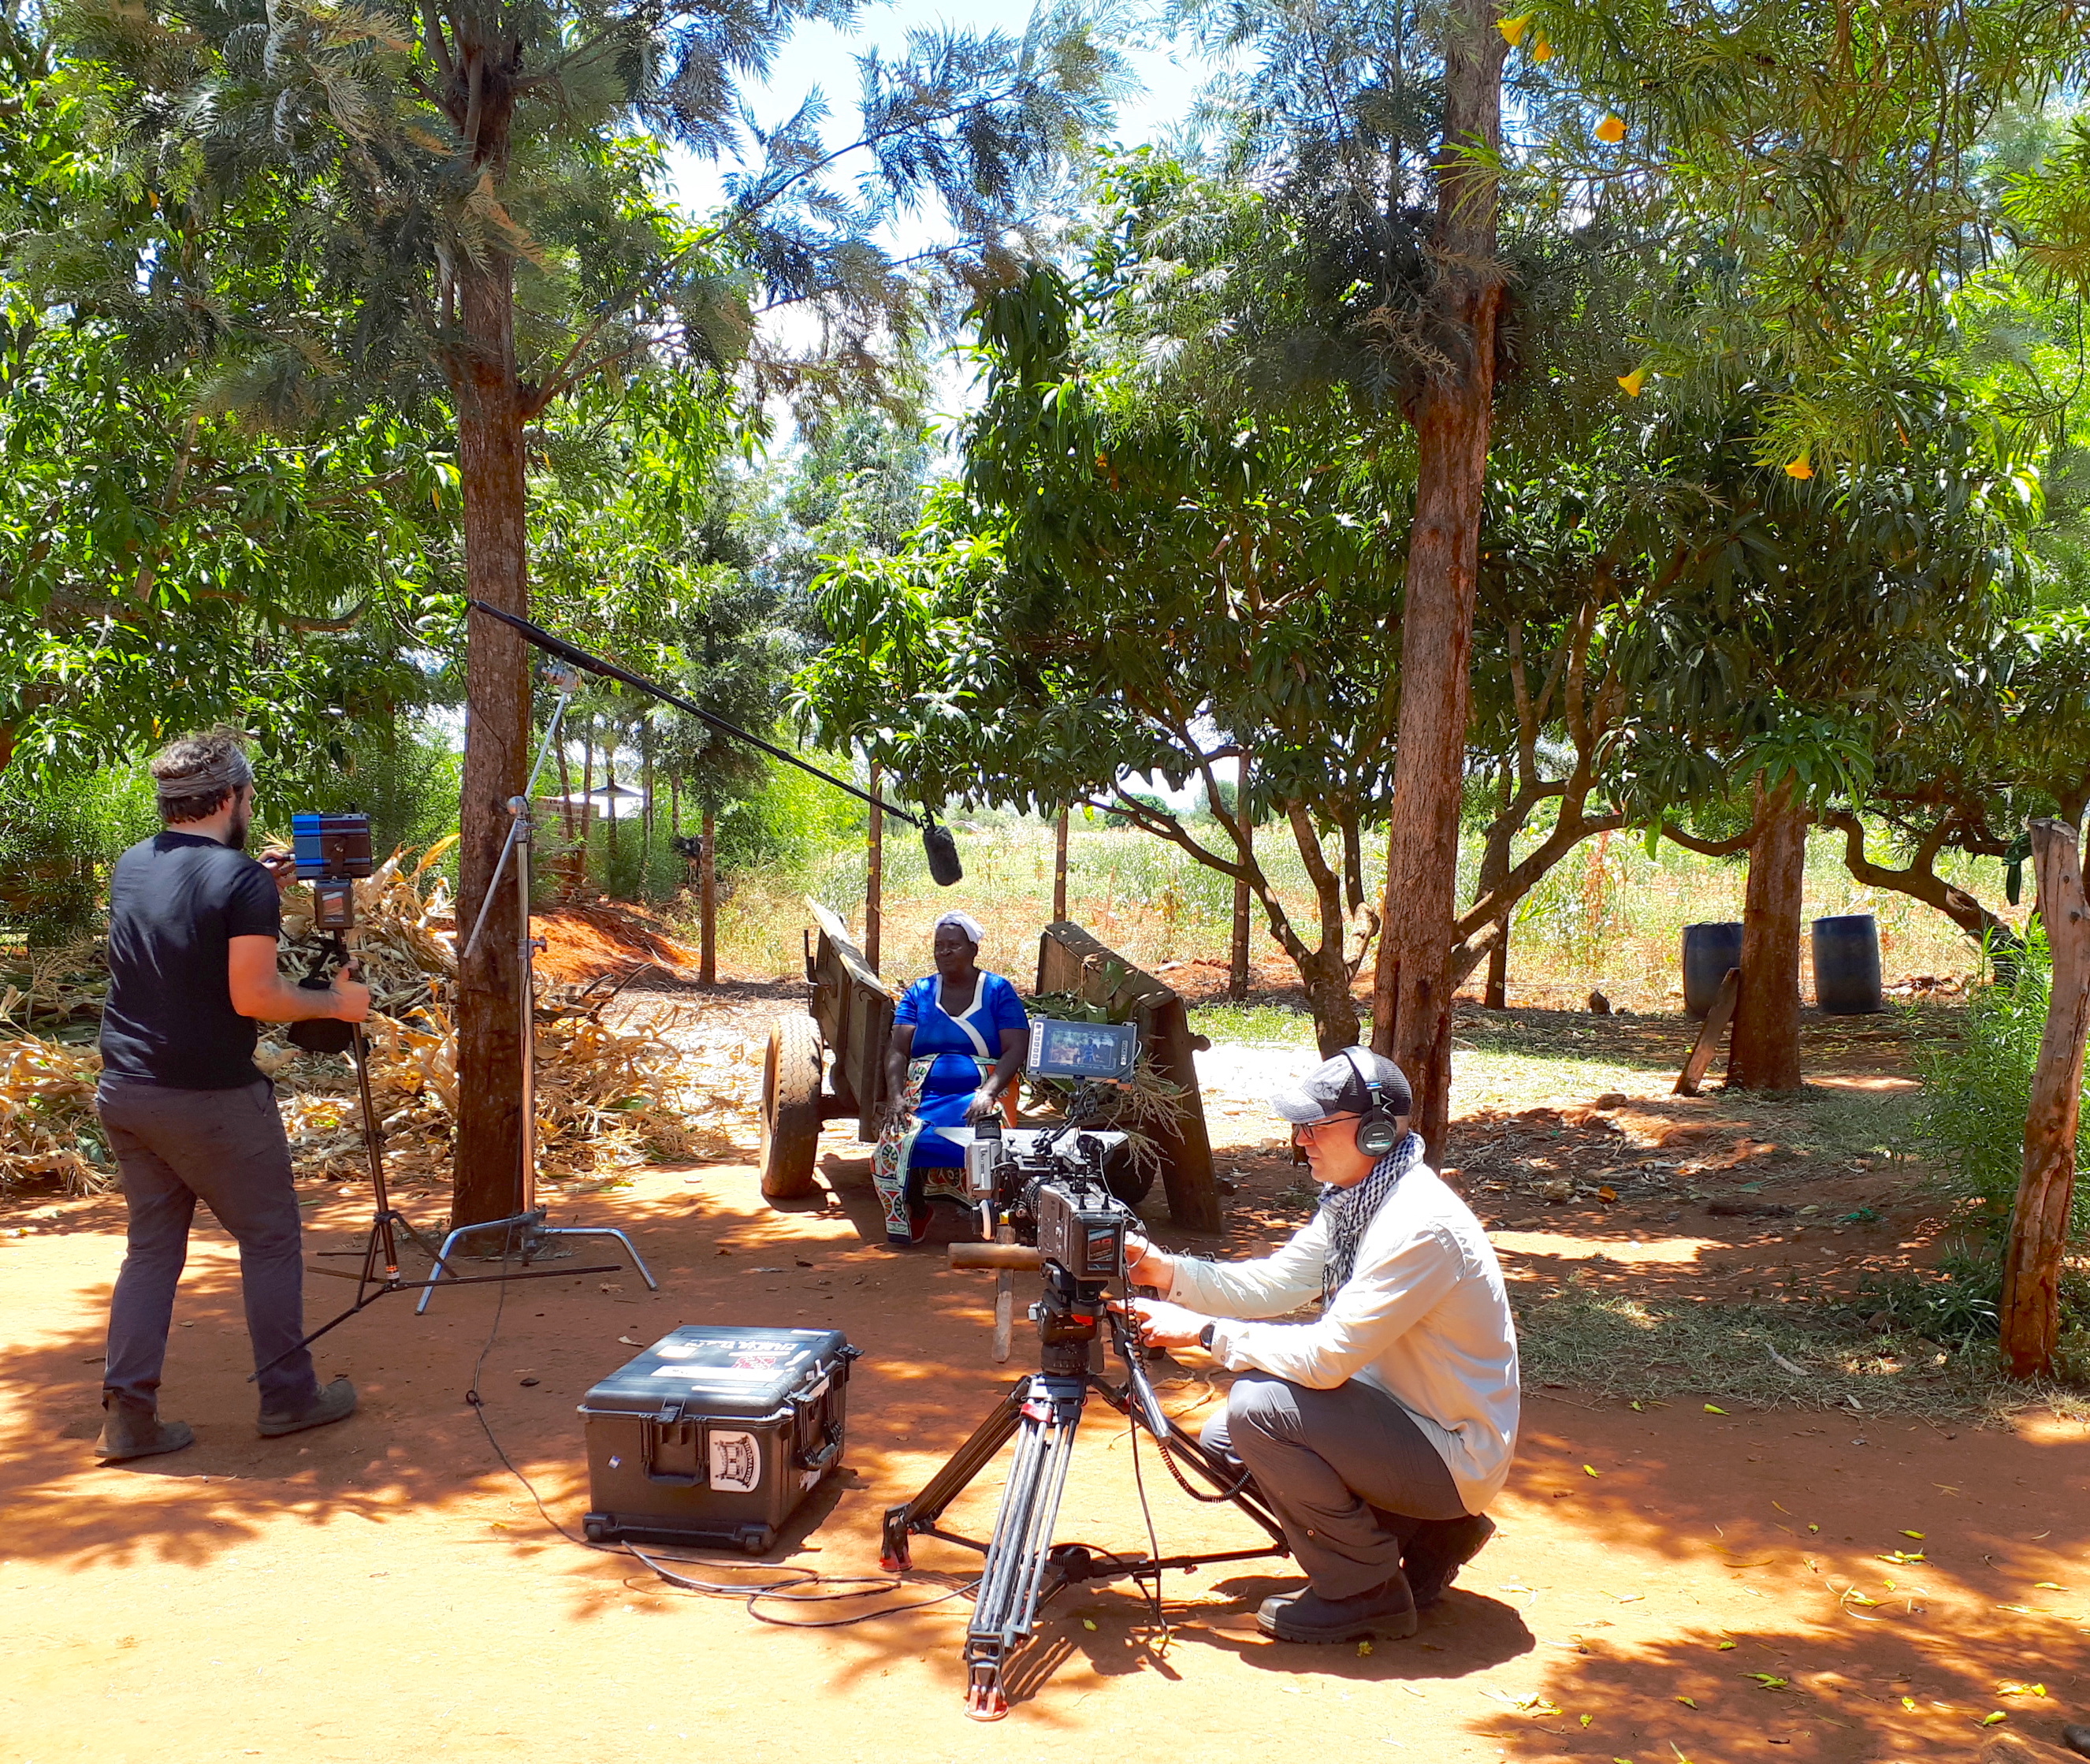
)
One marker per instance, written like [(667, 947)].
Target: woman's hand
[(982, 1107), (1146, 1266)]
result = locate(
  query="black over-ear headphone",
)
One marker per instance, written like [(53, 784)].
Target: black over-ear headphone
[(1378, 1131)]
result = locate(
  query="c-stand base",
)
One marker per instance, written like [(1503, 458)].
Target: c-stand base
[(1024, 1570), (529, 1233)]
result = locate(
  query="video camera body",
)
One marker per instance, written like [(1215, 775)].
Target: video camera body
[(1051, 1190)]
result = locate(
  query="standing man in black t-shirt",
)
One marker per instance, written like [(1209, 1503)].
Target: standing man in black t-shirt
[(192, 926)]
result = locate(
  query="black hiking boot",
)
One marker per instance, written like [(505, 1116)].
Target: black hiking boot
[(1438, 1549), (1306, 1616)]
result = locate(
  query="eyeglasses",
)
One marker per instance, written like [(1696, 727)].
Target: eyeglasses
[(1304, 1130)]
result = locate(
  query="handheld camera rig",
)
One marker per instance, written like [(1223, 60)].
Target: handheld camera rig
[(1051, 1205)]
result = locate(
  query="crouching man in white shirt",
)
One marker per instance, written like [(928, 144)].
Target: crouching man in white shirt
[(1380, 1432)]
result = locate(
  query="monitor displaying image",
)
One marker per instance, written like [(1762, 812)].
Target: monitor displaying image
[(1064, 1050)]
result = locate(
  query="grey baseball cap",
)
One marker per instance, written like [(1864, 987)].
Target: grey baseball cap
[(1343, 1087)]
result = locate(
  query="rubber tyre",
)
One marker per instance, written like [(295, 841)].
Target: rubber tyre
[(790, 1108)]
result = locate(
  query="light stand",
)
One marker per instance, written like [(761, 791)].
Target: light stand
[(527, 1230)]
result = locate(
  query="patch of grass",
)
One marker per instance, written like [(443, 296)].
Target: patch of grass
[(1653, 1350), (1261, 1026)]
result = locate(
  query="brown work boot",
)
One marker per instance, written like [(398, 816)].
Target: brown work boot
[(130, 1430), (337, 1402)]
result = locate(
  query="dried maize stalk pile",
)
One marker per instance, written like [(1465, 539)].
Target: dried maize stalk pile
[(607, 1097), (47, 1120)]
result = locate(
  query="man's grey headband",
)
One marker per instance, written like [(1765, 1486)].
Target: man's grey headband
[(230, 773)]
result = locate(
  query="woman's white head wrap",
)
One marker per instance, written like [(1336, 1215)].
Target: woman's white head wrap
[(974, 931)]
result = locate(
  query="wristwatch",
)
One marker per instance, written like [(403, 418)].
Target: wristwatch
[(1205, 1336)]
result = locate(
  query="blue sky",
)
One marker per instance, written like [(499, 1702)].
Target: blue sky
[(823, 56)]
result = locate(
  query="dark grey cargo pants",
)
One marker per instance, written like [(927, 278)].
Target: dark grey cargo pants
[(226, 1149), (1346, 1471)]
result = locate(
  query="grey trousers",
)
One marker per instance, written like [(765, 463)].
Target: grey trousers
[(226, 1149), (1346, 1471)]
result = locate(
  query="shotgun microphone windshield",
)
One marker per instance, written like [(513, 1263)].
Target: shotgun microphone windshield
[(942, 851)]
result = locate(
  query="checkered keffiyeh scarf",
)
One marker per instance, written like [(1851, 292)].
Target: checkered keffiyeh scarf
[(1351, 1211)]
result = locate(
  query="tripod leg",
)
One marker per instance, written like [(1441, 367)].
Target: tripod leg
[(903, 1521), (1005, 1607)]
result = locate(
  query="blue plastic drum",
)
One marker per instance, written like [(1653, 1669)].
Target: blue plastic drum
[(1846, 964), (1709, 952)]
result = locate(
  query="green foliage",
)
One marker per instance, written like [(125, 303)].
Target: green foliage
[(57, 840), (1978, 1093)]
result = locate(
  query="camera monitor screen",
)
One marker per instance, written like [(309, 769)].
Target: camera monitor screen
[(1064, 1050), (332, 847)]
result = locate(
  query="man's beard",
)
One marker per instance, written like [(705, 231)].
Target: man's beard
[(235, 835)]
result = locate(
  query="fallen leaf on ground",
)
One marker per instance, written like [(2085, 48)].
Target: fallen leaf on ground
[(2007, 1688), (1687, 1703), (1714, 1409), (1588, 1471), (1990, 1720)]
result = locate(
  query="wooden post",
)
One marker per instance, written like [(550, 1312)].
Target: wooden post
[(2039, 1223), (874, 879), (675, 807), (587, 798), (1059, 869), (1237, 950), (572, 863), (707, 904), (1498, 993)]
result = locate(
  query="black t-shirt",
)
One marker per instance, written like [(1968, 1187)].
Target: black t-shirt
[(175, 902)]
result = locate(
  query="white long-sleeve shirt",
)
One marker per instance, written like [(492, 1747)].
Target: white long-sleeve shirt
[(1425, 1317)]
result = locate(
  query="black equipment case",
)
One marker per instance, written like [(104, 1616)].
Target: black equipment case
[(715, 1434)]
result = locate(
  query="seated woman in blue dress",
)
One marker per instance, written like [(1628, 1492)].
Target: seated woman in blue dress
[(959, 1041)]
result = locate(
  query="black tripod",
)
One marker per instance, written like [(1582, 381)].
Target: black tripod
[(1041, 1412)]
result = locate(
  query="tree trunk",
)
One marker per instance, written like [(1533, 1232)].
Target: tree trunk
[(1060, 870), (488, 1176), (1764, 1053), (1237, 950), (707, 904), (1498, 993), (874, 880), (2039, 1224), (609, 805), (1412, 998)]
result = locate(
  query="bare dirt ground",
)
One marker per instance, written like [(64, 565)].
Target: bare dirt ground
[(1668, 1583)]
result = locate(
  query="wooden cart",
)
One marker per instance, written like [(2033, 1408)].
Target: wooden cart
[(829, 1064)]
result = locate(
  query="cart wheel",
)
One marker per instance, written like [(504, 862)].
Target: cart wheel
[(1124, 1178), (790, 1108)]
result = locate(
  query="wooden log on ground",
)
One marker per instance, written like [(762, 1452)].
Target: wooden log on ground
[(1069, 960), (1709, 1032), (2038, 1222)]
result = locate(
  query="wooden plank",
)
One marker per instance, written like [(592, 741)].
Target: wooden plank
[(2039, 1221), (1709, 1032), (1069, 960)]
